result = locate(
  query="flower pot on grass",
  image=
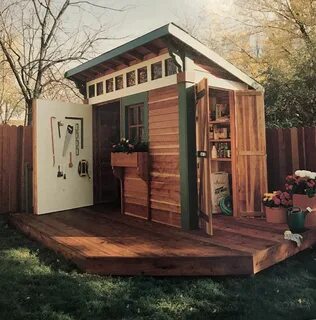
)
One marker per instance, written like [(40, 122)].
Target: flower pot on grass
[(276, 214)]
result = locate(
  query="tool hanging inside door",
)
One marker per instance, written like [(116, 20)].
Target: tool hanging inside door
[(83, 169), (77, 138), (81, 123), (70, 160), (69, 132), (59, 124), (59, 173), (52, 138)]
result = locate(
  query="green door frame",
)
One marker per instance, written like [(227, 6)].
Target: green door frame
[(131, 100)]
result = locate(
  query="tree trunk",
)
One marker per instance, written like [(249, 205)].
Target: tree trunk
[(28, 111)]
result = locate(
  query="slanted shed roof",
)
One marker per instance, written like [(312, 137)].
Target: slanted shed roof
[(153, 42)]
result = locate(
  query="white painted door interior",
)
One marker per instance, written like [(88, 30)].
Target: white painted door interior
[(62, 156)]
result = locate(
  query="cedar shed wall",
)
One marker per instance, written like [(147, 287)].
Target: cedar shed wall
[(163, 133)]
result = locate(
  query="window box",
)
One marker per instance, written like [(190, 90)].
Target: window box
[(137, 160)]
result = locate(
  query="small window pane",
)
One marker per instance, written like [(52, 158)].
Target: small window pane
[(141, 134), (142, 75), (109, 86), (131, 78), (133, 134), (141, 115), (156, 70), (99, 88), (119, 82), (91, 91), (170, 67), (133, 116)]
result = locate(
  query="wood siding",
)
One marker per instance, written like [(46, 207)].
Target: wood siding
[(251, 168), (135, 194), (288, 150), (164, 155), (15, 153)]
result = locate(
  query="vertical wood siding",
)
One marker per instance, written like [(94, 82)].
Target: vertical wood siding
[(164, 155), (289, 150), (251, 152), (15, 151)]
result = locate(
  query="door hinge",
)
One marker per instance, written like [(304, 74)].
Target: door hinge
[(200, 94)]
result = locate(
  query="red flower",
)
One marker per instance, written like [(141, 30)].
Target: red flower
[(276, 201), (287, 195)]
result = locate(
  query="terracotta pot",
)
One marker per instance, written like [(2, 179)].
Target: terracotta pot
[(303, 201), (276, 215)]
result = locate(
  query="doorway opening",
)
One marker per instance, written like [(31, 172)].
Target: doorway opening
[(106, 132)]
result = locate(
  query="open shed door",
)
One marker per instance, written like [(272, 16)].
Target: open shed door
[(203, 154), (62, 156), (251, 157)]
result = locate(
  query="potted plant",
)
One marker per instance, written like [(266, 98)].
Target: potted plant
[(128, 154), (302, 186), (276, 204)]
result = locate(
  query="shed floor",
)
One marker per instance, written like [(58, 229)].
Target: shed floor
[(102, 241)]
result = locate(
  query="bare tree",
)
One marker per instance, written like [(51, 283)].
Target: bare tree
[(11, 101), (39, 38)]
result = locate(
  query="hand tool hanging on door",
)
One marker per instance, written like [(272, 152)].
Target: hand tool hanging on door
[(52, 138), (69, 131), (81, 123), (59, 124), (83, 169), (77, 138), (59, 173), (70, 165)]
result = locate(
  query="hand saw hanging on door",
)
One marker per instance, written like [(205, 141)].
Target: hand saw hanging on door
[(69, 132)]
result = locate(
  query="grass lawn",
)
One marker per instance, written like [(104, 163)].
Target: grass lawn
[(35, 284)]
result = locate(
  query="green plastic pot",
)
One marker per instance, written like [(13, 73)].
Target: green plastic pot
[(296, 219)]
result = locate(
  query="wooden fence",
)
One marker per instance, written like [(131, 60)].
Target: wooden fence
[(289, 150), (15, 162)]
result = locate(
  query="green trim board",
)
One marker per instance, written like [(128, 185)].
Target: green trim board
[(188, 171), (128, 101), (153, 35)]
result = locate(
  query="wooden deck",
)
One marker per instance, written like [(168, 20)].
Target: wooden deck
[(111, 244)]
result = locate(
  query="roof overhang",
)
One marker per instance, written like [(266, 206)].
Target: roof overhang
[(152, 43)]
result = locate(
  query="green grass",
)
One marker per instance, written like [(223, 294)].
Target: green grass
[(37, 284)]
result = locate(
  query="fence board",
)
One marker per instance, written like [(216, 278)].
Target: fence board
[(15, 152), (287, 151)]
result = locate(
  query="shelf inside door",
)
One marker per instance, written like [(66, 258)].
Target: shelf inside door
[(226, 122), (220, 140), (221, 159)]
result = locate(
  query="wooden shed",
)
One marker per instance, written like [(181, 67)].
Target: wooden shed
[(169, 89), (204, 123)]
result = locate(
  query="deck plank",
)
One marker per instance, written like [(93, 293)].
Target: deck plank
[(100, 240)]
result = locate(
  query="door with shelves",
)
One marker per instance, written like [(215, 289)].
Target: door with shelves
[(221, 140), (236, 146)]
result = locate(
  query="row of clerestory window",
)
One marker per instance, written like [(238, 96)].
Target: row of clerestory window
[(117, 83)]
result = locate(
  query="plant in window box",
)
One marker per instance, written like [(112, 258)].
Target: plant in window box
[(128, 154), (302, 186), (276, 205)]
